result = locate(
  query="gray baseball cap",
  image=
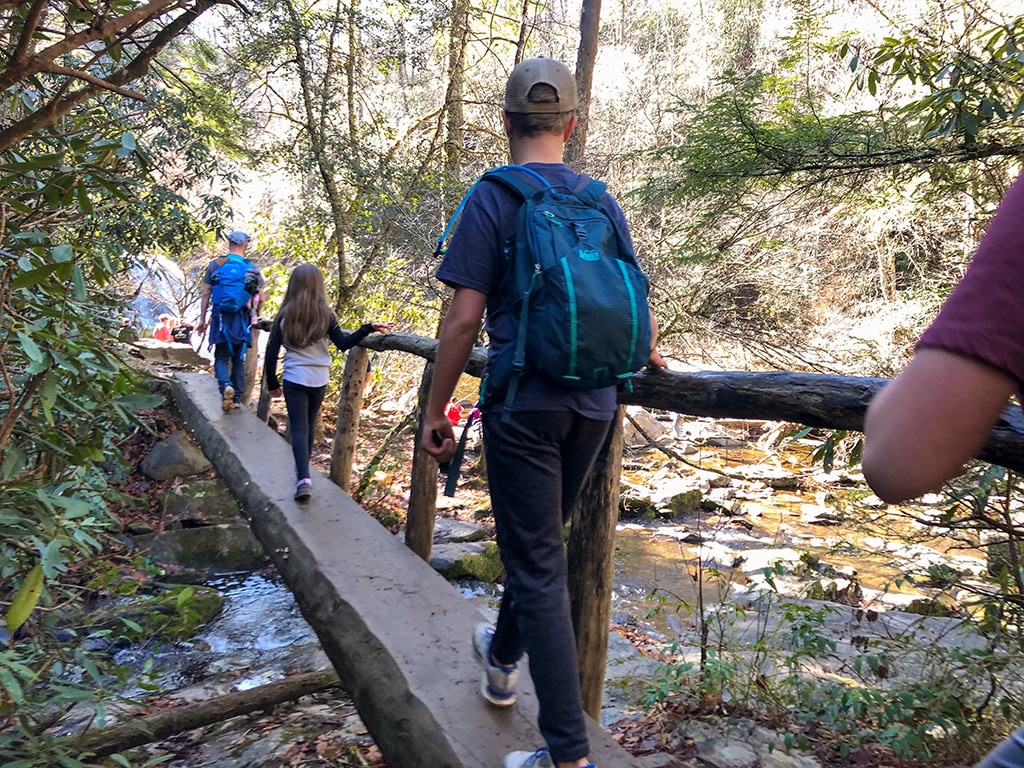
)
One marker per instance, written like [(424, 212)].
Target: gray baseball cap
[(532, 72), (238, 237)]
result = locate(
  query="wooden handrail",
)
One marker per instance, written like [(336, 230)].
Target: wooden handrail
[(816, 400)]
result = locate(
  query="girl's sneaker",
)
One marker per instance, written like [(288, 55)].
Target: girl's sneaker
[(303, 489)]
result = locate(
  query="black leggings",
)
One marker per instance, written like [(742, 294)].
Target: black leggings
[(303, 405)]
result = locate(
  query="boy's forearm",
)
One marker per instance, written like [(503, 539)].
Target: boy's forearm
[(455, 343)]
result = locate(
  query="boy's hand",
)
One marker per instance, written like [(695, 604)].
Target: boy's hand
[(201, 328), (275, 393), (381, 327), (434, 428), (656, 360)]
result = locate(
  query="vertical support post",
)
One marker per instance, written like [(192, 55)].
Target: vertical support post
[(350, 405), (252, 355), (591, 556), (419, 522)]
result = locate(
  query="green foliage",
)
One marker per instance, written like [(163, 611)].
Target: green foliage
[(973, 84)]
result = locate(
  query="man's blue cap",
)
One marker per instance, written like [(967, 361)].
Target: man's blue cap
[(238, 237)]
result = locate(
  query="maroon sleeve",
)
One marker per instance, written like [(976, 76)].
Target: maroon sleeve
[(983, 318)]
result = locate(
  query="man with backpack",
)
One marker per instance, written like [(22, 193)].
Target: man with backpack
[(230, 284), (547, 253)]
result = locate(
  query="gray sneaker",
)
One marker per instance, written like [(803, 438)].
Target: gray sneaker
[(539, 759), (498, 684)]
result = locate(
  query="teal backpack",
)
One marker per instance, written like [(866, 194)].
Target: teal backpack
[(575, 290)]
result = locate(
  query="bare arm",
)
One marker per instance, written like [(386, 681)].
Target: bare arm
[(458, 334), (204, 293), (923, 426), (655, 360)]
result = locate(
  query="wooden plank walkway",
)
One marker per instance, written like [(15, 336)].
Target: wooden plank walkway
[(397, 633)]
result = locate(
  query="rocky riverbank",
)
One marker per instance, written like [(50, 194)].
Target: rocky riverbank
[(713, 516)]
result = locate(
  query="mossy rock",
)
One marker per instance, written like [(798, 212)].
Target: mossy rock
[(929, 606), (685, 503), (172, 613), (484, 565), (632, 507)]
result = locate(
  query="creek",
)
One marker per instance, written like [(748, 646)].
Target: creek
[(259, 636)]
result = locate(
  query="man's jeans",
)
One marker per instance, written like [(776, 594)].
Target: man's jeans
[(536, 467), (229, 367)]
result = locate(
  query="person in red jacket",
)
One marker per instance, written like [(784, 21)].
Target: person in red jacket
[(454, 412)]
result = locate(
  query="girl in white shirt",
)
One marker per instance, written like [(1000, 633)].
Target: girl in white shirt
[(304, 325)]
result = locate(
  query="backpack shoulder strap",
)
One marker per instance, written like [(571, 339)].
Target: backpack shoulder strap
[(520, 179), (524, 181), (590, 190)]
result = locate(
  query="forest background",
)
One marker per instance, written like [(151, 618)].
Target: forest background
[(805, 181)]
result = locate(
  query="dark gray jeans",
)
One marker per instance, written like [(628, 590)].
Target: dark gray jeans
[(536, 468), (1009, 754)]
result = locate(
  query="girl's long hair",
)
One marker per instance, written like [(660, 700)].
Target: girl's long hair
[(305, 316)]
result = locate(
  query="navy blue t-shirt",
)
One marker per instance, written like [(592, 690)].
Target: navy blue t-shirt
[(476, 259)]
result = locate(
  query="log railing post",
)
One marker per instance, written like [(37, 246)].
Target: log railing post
[(591, 556), (350, 405), (419, 521), (251, 363)]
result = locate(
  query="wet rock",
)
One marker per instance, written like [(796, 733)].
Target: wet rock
[(174, 456), (648, 423), (725, 442), (216, 548), (167, 614), (199, 502), (772, 476), (632, 507), (685, 503), (928, 606), (727, 743), (813, 514), (477, 560), (457, 531), (679, 533)]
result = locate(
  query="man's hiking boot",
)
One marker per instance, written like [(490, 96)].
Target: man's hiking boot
[(227, 402), (539, 759), (303, 489), (498, 684)]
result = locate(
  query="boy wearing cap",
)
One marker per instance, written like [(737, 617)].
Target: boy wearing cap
[(230, 333), (538, 462)]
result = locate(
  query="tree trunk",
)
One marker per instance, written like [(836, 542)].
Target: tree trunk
[(139, 730), (419, 524), (455, 134), (524, 29), (591, 554), (346, 433), (590, 21), (252, 359)]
